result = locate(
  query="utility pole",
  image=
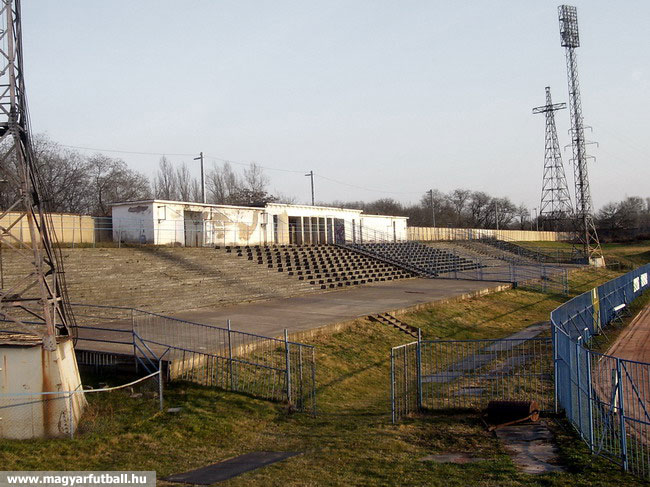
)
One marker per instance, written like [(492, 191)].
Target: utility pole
[(536, 220), (433, 209), (311, 175), (200, 158)]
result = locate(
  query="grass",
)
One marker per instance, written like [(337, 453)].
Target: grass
[(350, 442), (629, 254)]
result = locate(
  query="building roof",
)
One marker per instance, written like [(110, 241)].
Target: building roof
[(275, 205)]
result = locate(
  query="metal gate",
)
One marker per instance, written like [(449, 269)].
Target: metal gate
[(467, 374)]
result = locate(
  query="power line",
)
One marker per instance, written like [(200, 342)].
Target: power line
[(366, 189), (230, 161)]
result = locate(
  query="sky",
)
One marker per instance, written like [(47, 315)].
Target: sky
[(380, 99)]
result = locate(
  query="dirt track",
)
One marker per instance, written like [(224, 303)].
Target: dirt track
[(634, 342)]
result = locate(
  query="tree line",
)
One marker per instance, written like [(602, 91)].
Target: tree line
[(75, 183)]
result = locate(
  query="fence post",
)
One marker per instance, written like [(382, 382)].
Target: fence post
[(288, 360), (232, 378), (300, 381), (135, 357), (577, 345), (621, 413), (313, 380), (160, 384), (554, 336), (419, 371), (566, 281), (590, 399), (392, 385)]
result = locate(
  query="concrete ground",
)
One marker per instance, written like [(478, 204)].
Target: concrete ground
[(301, 314)]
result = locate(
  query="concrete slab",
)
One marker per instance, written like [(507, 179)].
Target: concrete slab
[(531, 447), (301, 313), (230, 468)]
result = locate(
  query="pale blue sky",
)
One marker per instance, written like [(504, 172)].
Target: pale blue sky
[(394, 96)]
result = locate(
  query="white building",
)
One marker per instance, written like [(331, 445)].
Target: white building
[(162, 222)]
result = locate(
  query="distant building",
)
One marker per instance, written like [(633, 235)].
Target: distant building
[(162, 222)]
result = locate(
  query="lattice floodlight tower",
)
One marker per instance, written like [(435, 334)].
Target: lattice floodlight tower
[(555, 207), (585, 228), (33, 298)]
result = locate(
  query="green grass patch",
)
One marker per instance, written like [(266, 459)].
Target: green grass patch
[(351, 442)]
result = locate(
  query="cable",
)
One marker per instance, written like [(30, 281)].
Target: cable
[(125, 151), (366, 189), (230, 161)]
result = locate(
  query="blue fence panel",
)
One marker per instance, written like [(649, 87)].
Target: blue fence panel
[(607, 399)]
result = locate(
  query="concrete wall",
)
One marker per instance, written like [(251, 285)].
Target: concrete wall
[(381, 228), (427, 234), (28, 368), (68, 228)]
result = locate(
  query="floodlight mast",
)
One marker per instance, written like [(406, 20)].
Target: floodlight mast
[(35, 301), (585, 228), (555, 207)]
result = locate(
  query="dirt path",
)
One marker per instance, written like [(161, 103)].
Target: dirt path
[(634, 342)]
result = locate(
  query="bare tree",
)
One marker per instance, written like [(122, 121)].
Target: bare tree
[(255, 179), (479, 208), (458, 200), (165, 184), (111, 181), (64, 176), (222, 183), (184, 183)]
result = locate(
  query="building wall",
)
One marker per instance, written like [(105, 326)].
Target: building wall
[(434, 233), (381, 228), (174, 223)]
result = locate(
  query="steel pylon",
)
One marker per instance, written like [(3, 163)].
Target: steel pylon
[(555, 207), (32, 294), (585, 228)]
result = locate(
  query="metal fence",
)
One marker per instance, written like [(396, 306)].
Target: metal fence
[(270, 368), (22, 412), (444, 374), (544, 277), (606, 398)]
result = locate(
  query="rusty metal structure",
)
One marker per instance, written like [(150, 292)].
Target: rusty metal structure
[(555, 208), (36, 301), (585, 227)]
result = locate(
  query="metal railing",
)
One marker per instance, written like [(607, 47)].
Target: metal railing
[(455, 264), (271, 368), (467, 374), (606, 398)]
